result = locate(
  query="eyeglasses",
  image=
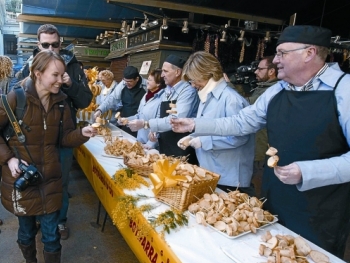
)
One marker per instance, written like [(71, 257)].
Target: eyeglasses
[(280, 53), (47, 45), (260, 68), (129, 80)]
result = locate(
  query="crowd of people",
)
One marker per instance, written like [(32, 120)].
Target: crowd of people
[(188, 109)]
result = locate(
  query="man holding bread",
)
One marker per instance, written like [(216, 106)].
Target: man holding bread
[(307, 119), (126, 97), (179, 99)]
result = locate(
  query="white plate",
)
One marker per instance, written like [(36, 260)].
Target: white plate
[(275, 219), (247, 251)]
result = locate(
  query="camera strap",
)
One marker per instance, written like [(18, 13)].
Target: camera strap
[(15, 124)]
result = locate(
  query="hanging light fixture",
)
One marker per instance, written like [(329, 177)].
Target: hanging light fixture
[(123, 27), (165, 24), (224, 34), (241, 38), (97, 39), (154, 23), (185, 27), (133, 26), (101, 36), (104, 42), (144, 25), (267, 37), (128, 30)]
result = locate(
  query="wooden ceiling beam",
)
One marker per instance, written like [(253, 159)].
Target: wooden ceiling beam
[(67, 21), (200, 10)]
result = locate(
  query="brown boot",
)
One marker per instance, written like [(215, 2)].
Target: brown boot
[(52, 257), (29, 252)]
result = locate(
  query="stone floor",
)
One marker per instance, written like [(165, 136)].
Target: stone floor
[(86, 242)]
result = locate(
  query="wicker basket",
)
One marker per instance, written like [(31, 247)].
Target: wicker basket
[(184, 194), (139, 169)]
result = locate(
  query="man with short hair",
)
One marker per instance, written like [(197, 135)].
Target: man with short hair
[(307, 115), (126, 96), (266, 74), (78, 94), (181, 94)]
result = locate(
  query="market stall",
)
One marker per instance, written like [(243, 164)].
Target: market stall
[(191, 243)]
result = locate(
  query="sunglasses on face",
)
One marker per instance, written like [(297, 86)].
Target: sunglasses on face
[(47, 45)]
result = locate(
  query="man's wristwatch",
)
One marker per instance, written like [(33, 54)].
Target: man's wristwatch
[(146, 125)]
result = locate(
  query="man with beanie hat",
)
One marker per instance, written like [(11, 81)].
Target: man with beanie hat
[(181, 94), (126, 97), (307, 115)]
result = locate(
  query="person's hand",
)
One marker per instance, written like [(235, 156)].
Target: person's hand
[(66, 79), (14, 168), (136, 124), (123, 121), (196, 143), (97, 113), (182, 125), (152, 136), (183, 143), (147, 147), (89, 131), (120, 122), (289, 174)]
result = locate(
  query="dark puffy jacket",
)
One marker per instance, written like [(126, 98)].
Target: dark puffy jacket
[(42, 143), (79, 94)]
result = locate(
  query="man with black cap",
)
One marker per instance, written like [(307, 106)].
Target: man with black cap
[(126, 97), (185, 99), (307, 115)]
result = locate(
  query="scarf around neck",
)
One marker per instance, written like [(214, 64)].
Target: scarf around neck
[(151, 94), (203, 93)]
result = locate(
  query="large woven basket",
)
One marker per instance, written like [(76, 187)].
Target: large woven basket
[(139, 169), (184, 194)]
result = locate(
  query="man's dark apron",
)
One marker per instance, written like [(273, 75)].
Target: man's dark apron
[(304, 126), (168, 140)]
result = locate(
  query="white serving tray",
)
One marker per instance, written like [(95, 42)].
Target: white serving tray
[(275, 219)]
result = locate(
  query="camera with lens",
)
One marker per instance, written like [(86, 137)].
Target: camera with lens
[(245, 76), (29, 176)]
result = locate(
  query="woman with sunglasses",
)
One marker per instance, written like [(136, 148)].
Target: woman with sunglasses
[(48, 127), (148, 107)]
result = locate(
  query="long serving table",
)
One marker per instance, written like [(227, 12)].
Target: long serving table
[(192, 243)]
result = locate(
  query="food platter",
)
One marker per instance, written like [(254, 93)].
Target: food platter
[(241, 234), (248, 252)]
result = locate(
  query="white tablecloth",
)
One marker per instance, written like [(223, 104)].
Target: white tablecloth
[(197, 243)]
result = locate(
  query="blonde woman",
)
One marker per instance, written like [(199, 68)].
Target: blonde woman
[(108, 85), (5, 73), (230, 156)]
